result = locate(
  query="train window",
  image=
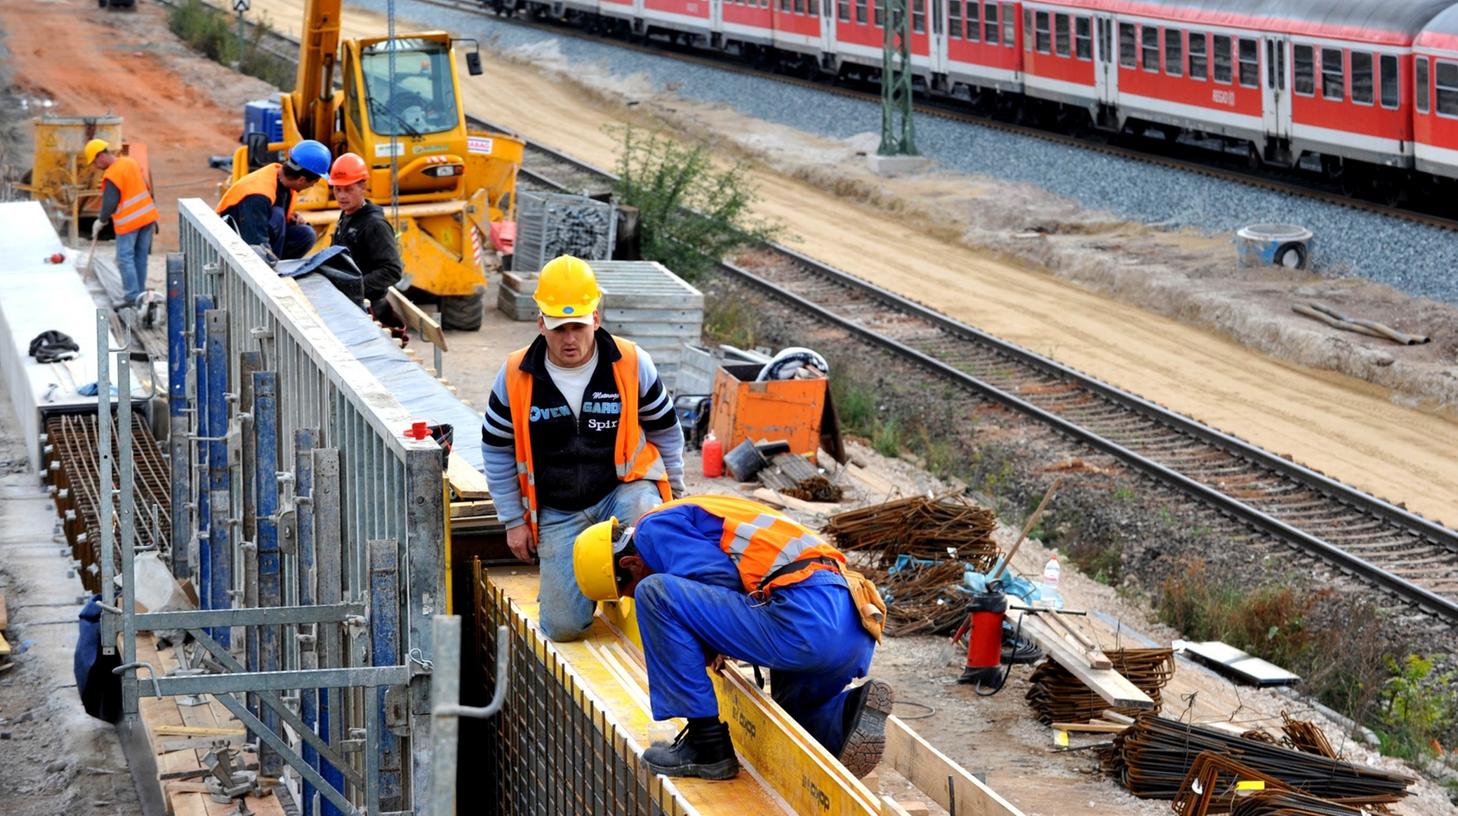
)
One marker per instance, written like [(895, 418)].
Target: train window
[(1445, 76), (1390, 90), (842, 10), (918, 16), (974, 20), (1198, 65), (954, 19), (1061, 35), (1304, 60), (1009, 25), (1044, 43), (1222, 59), (1250, 64), (1420, 84), (1082, 39), (798, 6), (1150, 50), (861, 12), (1126, 45), (1362, 81), (1174, 57), (1333, 76), (879, 8)]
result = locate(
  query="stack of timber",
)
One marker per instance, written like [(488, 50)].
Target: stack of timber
[(1153, 757), (646, 303), (1058, 696), (793, 475)]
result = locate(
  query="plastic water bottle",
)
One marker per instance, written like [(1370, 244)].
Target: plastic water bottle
[(1048, 591), (713, 456)]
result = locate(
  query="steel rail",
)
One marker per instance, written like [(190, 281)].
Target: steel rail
[(949, 110), (1332, 489)]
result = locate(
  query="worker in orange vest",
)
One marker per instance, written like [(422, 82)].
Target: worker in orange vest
[(127, 204), (723, 576), (578, 429), (260, 206)]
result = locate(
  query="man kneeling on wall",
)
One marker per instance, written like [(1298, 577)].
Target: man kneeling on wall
[(725, 576)]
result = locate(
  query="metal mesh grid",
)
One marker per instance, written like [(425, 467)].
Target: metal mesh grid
[(552, 750)]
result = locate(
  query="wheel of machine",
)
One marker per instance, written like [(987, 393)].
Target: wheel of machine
[(1291, 256), (461, 312)]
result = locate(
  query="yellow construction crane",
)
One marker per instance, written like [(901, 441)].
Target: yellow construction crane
[(448, 183)]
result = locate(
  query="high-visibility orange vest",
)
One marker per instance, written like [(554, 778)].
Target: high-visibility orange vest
[(769, 549), (635, 457), (136, 208), (264, 182)]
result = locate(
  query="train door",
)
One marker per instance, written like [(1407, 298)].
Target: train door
[(716, 16), (1276, 102), (937, 47), (1106, 62), (828, 9)]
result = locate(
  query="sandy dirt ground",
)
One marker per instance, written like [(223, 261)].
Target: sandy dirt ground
[(182, 107), (1335, 423)]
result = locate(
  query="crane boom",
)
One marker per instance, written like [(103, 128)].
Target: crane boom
[(313, 94)]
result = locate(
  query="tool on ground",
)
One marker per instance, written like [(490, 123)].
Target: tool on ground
[(984, 643), (1027, 528)]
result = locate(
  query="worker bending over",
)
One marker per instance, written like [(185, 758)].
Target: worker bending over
[(578, 429), (726, 576), (363, 230), (127, 204), (260, 205)]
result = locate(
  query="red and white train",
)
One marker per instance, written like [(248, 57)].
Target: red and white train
[(1368, 87)]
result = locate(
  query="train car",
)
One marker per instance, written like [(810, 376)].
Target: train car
[(981, 50), (1435, 96)]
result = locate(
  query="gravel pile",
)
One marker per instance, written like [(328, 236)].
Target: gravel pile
[(1412, 258)]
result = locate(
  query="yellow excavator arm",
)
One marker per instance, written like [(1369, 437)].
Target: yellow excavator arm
[(313, 94)]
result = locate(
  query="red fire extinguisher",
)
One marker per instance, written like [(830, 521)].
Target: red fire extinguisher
[(984, 642)]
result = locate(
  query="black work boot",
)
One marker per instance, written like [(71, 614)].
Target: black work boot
[(701, 750), (866, 710)]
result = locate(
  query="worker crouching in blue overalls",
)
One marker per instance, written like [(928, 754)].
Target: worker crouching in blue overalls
[(724, 576)]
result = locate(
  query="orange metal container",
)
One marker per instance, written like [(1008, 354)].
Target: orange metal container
[(788, 410)]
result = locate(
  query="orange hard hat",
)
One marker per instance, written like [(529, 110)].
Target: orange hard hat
[(348, 169)]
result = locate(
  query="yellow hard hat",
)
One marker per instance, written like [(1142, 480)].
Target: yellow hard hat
[(567, 290), (593, 562), (92, 149)]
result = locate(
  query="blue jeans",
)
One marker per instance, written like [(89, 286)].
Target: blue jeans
[(289, 241), (565, 612), (808, 635), (132, 249)]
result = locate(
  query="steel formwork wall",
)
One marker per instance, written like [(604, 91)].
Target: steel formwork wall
[(553, 749)]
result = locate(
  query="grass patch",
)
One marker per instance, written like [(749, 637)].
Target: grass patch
[(215, 34)]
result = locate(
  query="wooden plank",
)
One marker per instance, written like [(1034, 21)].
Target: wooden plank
[(467, 482), (937, 776), (768, 496), (1114, 688), (197, 731), (4, 617), (416, 318), (4, 646), (1090, 727)]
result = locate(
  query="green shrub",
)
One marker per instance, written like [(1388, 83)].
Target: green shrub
[(214, 33)]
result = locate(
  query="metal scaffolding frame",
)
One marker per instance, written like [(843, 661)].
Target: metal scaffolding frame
[(313, 529)]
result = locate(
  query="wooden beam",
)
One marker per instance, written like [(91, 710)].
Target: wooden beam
[(4, 617), (1090, 727), (1114, 688), (774, 498), (467, 482), (937, 776), (416, 319), (4, 646)]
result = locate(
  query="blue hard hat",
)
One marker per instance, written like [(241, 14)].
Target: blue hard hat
[(310, 157)]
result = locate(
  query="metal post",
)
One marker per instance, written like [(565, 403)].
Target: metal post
[(200, 305), (382, 754), (178, 460), (127, 539), (329, 549), (220, 503), (445, 708), (249, 363), (897, 132), (270, 589), (303, 521), (103, 430), (425, 551)]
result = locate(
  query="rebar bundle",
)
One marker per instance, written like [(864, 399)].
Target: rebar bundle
[(1304, 735), (1291, 803), (1154, 756), (792, 475), (928, 528), (920, 599), (1057, 696)]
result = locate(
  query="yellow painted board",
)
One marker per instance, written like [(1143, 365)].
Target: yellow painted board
[(4, 646), (931, 770)]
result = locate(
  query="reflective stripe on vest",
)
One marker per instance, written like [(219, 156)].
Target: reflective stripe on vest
[(264, 182), (634, 457), (136, 209), (760, 541)]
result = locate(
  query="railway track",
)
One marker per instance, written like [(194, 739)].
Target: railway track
[(1213, 164), (1267, 499)]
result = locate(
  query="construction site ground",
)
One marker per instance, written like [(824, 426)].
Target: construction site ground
[(187, 108)]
